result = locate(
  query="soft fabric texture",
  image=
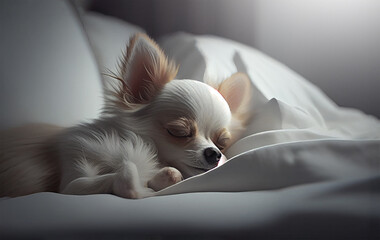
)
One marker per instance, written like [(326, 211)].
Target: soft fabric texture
[(48, 73), (346, 209), (288, 164), (327, 141)]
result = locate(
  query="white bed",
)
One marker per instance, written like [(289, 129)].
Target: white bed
[(304, 169)]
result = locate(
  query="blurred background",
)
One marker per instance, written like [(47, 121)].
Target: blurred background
[(332, 43)]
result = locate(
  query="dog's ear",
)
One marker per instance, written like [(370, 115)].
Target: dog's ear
[(237, 91), (143, 71)]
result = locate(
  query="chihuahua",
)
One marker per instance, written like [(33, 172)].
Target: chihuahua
[(154, 132)]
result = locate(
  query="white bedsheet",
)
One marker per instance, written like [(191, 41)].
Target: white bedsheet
[(344, 209)]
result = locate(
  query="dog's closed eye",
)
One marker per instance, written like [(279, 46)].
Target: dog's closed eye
[(222, 139), (181, 128)]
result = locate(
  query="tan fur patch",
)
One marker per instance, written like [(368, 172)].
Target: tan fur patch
[(182, 127), (28, 163), (222, 139), (177, 130)]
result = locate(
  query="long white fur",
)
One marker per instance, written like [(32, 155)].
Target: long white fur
[(103, 157)]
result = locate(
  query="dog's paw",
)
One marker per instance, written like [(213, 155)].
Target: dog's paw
[(166, 177), (145, 192), (124, 189)]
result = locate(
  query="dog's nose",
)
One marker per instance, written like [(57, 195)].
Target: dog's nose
[(212, 155)]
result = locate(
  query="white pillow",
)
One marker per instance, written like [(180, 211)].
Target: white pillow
[(286, 107), (47, 70), (297, 135), (108, 37)]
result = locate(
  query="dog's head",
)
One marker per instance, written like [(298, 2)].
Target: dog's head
[(190, 122)]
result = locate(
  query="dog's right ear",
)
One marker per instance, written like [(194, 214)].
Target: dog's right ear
[(143, 71)]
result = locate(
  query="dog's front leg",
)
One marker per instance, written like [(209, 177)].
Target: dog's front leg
[(166, 177), (91, 185), (125, 183), (107, 183)]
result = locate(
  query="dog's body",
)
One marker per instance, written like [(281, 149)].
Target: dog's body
[(154, 132)]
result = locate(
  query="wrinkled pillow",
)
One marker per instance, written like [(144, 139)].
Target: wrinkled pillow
[(285, 107)]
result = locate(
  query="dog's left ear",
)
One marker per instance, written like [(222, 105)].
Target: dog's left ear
[(237, 91), (143, 71)]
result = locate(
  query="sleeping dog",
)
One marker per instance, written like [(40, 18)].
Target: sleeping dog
[(154, 131)]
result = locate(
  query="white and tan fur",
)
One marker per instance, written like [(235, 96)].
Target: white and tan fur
[(154, 132)]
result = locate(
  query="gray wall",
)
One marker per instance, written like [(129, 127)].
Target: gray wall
[(333, 43)]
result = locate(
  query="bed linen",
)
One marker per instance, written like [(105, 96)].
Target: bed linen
[(296, 135), (304, 169), (343, 209)]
